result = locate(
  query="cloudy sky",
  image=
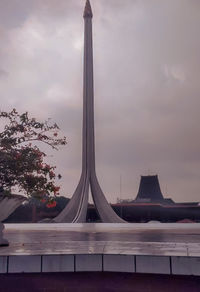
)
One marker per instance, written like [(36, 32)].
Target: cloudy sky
[(147, 86)]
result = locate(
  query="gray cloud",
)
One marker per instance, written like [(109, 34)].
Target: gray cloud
[(147, 68)]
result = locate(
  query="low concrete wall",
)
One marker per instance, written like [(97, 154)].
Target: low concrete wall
[(100, 263)]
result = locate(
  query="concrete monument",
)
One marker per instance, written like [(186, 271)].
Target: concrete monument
[(8, 204), (76, 210)]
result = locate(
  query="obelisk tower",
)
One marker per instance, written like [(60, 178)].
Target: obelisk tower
[(76, 210)]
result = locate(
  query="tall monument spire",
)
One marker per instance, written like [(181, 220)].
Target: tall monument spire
[(76, 209), (88, 10)]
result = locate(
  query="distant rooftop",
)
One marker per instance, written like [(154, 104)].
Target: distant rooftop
[(149, 189)]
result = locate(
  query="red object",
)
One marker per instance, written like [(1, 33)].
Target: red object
[(56, 189), (43, 201), (51, 204)]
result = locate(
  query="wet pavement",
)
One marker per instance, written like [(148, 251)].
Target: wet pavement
[(136, 239)]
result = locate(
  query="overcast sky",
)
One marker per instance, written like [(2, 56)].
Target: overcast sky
[(147, 86)]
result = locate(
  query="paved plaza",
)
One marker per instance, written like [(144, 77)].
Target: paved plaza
[(136, 239)]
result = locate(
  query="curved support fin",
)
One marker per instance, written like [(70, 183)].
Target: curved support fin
[(106, 212), (82, 210), (69, 213)]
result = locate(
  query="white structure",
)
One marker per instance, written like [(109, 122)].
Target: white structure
[(8, 204), (76, 209)]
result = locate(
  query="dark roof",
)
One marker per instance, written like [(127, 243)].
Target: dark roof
[(149, 189)]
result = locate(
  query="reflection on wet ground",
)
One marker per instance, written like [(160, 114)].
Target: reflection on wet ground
[(143, 236), (105, 238)]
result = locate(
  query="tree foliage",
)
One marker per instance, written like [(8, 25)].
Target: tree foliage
[(22, 163)]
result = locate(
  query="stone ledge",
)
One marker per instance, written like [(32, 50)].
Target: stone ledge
[(119, 263), (88, 263), (186, 266), (153, 264), (57, 263), (3, 264), (24, 264)]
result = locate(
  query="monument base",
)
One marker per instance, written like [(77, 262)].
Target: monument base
[(3, 241), (8, 204)]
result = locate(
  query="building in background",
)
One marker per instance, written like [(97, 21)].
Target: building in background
[(150, 192)]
